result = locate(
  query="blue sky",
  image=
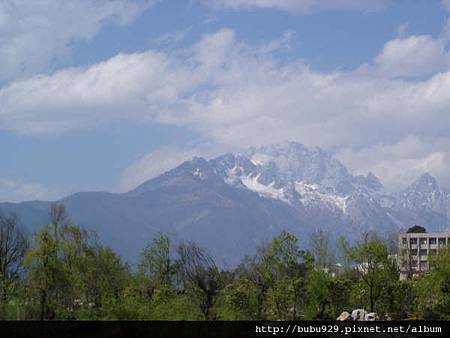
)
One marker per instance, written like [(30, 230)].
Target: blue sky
[(104, 94)]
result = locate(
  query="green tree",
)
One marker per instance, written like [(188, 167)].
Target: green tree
[(13, 246), (46, 274), (70, 274), (259, 270), (291, 266), (239, 301), (433, 288), (339, 289), (321, 249), (375, 268), (318, 295), (196, 268), (278, 271), (156, 264)]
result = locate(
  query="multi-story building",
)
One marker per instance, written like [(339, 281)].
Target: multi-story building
[(415, 250)]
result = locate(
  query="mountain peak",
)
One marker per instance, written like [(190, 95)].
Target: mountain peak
[(423, 193), (426, 183), (371, 181), (295, 162)]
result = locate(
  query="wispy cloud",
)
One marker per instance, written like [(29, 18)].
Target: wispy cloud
[(16, 191), (172, 37), (154, 164), (446, 5), (400, 163), (35, 33)]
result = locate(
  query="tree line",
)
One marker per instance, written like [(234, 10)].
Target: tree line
[(64, 272)]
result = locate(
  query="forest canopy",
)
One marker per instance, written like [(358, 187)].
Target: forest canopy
[(64, 272)]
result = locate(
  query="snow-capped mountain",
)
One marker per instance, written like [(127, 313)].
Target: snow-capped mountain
[(297, 175), (317, 185), (424, 193), (425, 200), (303, 178), (231, 203)]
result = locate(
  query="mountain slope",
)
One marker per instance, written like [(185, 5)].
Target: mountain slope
[(231, 203)]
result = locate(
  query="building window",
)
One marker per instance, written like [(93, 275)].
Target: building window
[(423, 252), (433, 240), (423, 265), (404, 240), (423, 241), (413, 241), (413, 252), (441, 241)]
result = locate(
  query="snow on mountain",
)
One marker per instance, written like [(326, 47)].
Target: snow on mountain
[(296, 175), (313, 181), (253, 184), (424, 193), (313, 196), (294, 162)]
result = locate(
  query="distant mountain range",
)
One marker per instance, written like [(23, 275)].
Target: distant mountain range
[(234, 202)]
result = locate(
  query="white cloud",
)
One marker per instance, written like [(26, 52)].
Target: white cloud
[(154, 164), (124, 87), (35, 33), (446, 5), (16, 191), (302, 6), (401, 163), (413, 56), (239, 95)]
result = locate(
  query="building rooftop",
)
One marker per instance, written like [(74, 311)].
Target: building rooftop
[(425, 234)]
